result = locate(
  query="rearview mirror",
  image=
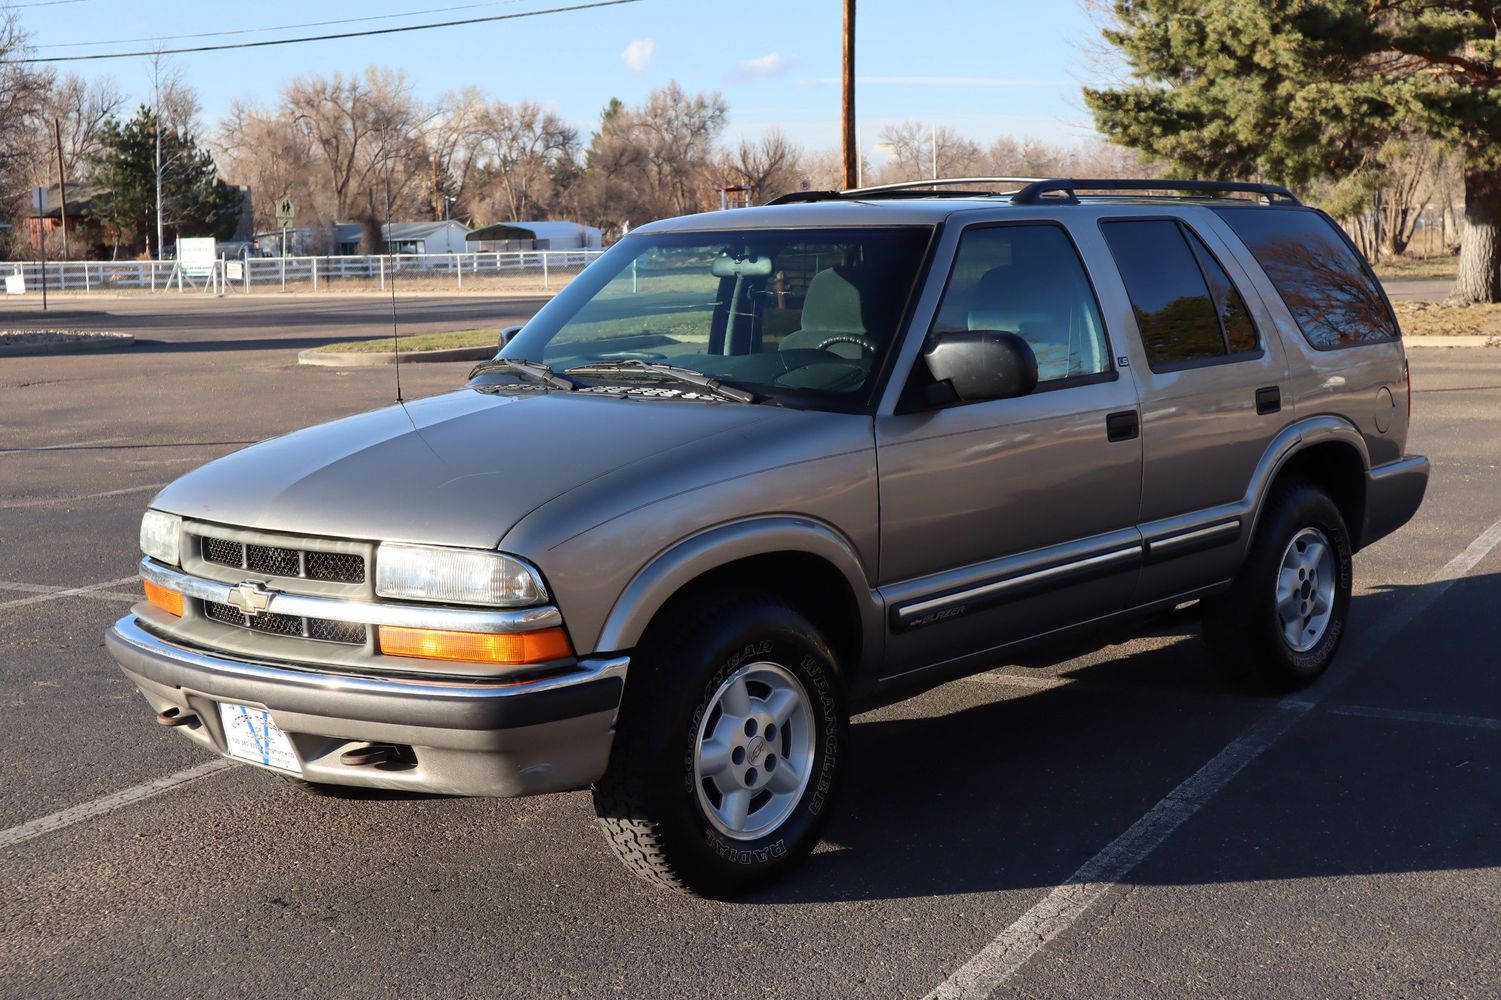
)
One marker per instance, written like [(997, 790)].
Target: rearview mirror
[(983, 364), (506, 334), (725, 266)]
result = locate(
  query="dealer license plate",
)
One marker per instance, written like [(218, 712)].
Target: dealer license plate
[(251, 735)]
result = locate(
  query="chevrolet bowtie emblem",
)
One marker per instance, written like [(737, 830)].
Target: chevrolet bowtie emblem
[(251, 597)]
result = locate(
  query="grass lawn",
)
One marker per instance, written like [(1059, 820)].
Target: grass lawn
[(481, 337), (1418, 267), (1428, 319)]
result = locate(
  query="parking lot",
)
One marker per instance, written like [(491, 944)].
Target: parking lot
[(1118, 825)]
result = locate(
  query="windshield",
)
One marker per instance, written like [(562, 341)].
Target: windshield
[(803, 316)]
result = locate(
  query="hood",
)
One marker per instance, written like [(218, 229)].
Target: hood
[(457, 469)]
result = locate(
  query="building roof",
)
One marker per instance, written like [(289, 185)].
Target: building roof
[(395, 232), (541, 230), (81, 199)]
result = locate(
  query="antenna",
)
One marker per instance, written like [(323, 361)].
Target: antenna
[(395, 331)]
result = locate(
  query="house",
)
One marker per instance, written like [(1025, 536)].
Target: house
[(554, 234), (447, 236), (82, 199)]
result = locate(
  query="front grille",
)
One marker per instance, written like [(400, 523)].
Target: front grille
[(319, 629), (276, 560)]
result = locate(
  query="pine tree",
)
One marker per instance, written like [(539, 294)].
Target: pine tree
[(1291, 90)]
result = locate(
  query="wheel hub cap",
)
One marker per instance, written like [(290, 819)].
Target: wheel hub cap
[(753, 753), (1305, 589)]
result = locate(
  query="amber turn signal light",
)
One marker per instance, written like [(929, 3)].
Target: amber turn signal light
[(169, 601), (513, 649)]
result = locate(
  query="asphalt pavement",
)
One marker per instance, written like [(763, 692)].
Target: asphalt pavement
[(1118, 825)]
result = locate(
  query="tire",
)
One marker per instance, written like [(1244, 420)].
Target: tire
[(706, 791), (1280, 625)]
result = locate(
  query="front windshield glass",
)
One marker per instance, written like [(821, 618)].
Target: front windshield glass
[(803, 316)]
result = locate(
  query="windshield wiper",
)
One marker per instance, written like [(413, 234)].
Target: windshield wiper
[(533, 370), (635, 367)]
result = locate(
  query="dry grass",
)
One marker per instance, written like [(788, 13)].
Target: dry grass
[(1417, 268), (481, 337), (1435, 319)]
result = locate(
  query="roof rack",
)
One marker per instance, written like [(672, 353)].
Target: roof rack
[(1033, 193), (903, 189)]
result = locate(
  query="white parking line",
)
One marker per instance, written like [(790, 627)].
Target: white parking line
[(1005, 955), (47, 588), (47, 501), (60, 447), (70, 592), (108, 803), (1407, 715)]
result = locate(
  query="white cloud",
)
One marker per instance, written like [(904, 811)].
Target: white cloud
[(638, 54), (767, 65)]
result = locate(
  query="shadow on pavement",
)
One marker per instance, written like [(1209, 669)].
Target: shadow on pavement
[(1018, 792)]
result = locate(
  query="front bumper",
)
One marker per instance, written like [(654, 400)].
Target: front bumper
[(467, 738)]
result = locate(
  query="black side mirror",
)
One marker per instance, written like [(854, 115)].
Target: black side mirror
[(983, 364), (506, 334)]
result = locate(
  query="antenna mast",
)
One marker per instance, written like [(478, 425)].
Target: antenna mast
[(395, 331)]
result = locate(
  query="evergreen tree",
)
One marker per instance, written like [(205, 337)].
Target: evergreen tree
[(195, 202), (1291, 90)]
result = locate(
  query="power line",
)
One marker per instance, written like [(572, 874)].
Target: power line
[(320, 38), (44, 3), (257, 31)]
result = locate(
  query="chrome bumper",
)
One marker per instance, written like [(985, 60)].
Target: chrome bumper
[(467, 738)]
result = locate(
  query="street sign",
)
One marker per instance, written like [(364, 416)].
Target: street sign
[(39, 200), (197, 256), (285, 211)]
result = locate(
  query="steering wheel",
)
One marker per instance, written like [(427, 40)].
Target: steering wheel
[(864, 343)]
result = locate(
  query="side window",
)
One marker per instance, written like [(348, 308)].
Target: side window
[(1186, 307), (1325, 285), (1027, 280)]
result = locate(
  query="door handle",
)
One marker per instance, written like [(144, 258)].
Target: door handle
[(1268, 400), (1122, 426)]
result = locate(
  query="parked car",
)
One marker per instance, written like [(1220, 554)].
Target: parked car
[(755, 470)]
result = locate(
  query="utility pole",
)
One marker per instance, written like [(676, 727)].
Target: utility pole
[(851, 147), (62, 183), (156, 77)]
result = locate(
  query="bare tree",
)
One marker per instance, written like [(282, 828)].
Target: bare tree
[(23, 96), (455, 142), (80, 110), (919, 151), (770, 166), (677, 134), (267, 152), (525, 145)]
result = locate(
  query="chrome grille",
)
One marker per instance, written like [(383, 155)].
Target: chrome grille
[(318, 629), (276, 560)]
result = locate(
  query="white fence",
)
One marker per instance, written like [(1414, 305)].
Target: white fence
[(542, 268)]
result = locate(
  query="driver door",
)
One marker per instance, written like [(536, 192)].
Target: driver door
[(1006, 519)]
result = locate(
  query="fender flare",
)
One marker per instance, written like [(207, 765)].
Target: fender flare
[(670, 570), (1291, 441)]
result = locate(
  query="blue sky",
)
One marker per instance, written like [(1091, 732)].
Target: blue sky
[(983, 67)]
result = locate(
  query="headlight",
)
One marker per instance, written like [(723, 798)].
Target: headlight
[(159, 536), (456, 576)]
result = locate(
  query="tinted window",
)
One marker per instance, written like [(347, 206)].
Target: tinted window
[(1326, 287), (1027, 280), (1235, 319), (1178, 321)]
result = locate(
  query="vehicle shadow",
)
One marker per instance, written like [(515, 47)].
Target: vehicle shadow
[(1019, 790)]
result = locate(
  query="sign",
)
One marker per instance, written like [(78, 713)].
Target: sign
[(197, 255), (285, 211), (15, 284), (39, 200), (234, 270)]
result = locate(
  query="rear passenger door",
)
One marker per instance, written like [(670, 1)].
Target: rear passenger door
[(1214, 394)]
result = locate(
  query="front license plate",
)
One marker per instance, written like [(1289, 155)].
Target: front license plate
[(251, 735)]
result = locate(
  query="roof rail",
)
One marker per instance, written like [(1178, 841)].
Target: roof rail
[(1033, 193), (898, 189)]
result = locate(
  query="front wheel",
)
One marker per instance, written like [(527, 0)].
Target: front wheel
[(728, 748), (1281, 623)]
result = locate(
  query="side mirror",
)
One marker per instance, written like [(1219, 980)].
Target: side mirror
[(983, 364), (506, 334)]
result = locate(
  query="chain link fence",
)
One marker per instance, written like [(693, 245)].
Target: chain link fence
[(515, 271)]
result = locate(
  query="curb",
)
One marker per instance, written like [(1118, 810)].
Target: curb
[(324, 359), (1477, 340), (97, 342)]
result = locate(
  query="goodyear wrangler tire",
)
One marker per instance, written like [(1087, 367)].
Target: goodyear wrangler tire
[(728, 747)]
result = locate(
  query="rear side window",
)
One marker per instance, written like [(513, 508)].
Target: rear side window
[(1186, 307), (1325, 285)]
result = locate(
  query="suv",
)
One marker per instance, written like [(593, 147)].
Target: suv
[(755, 470)]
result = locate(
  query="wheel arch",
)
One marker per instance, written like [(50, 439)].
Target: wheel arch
[(802, 560), (1327, 452)]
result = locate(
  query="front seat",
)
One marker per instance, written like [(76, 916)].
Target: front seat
[(836, 304), (1024, 300)]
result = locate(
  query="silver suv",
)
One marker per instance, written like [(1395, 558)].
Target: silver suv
[(755, 470)]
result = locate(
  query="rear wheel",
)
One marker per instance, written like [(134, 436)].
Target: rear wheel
[(1281, 624), (728, 748)]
